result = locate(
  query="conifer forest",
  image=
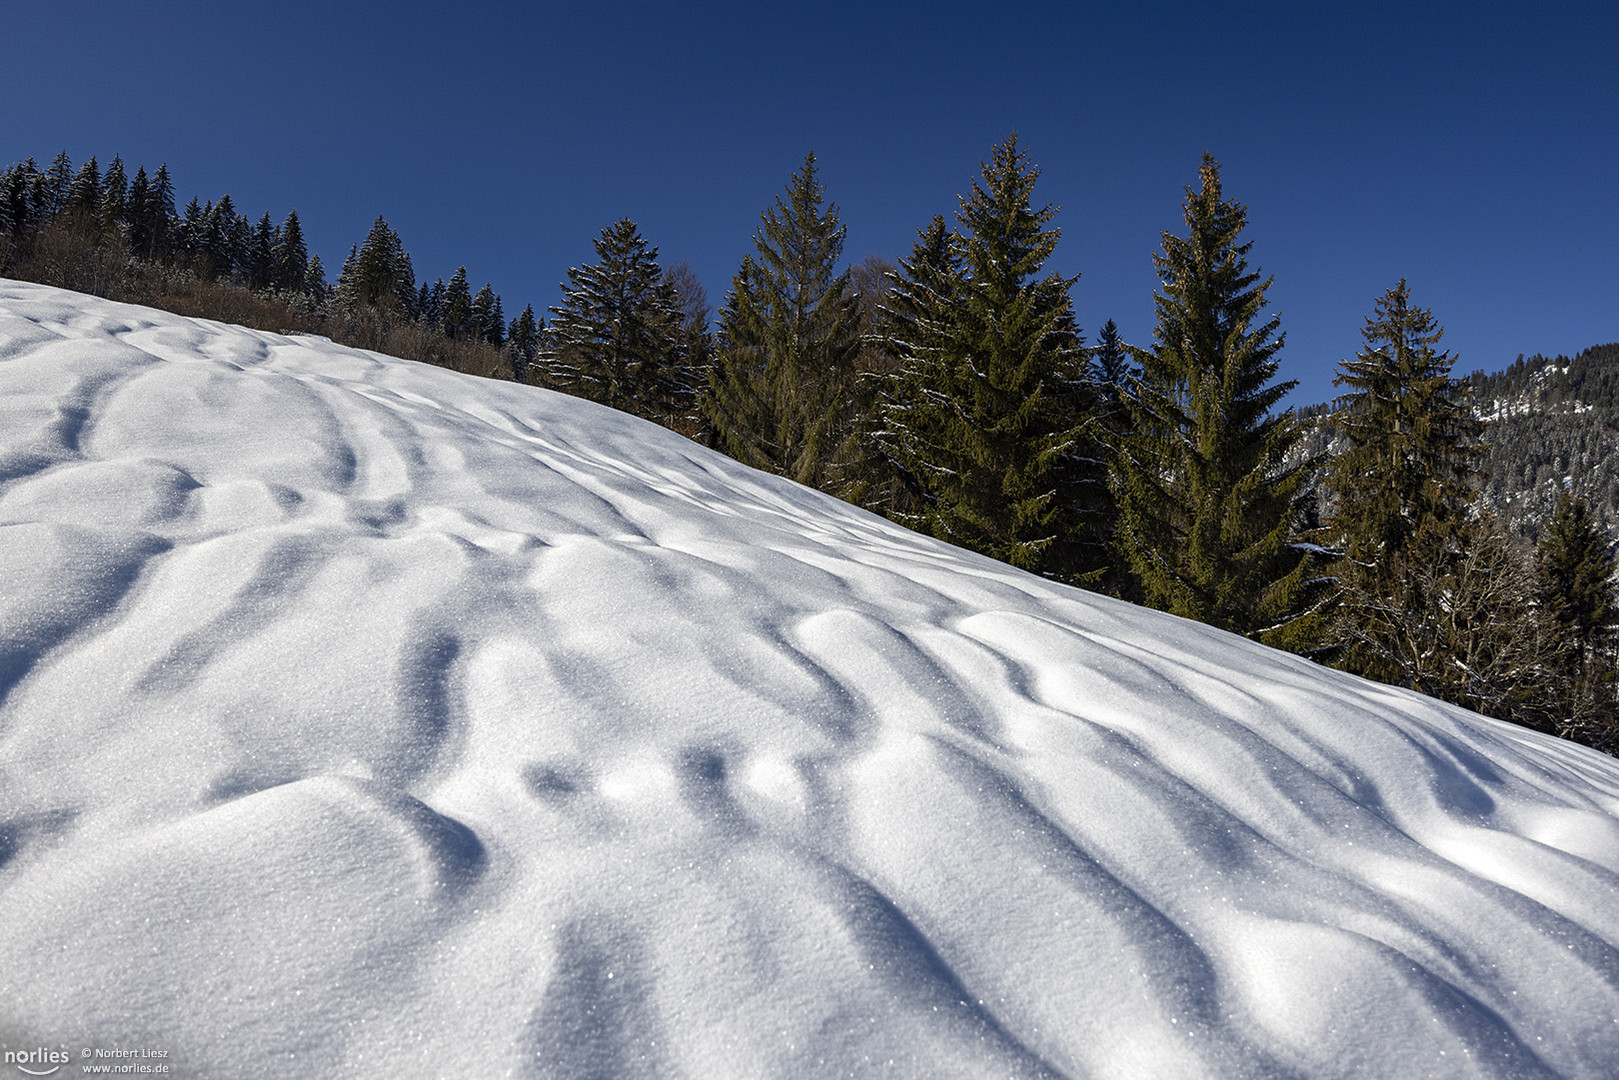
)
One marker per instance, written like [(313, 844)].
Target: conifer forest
[(1430, 529)]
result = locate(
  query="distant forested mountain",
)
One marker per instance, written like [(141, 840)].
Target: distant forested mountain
[(1552, 425)]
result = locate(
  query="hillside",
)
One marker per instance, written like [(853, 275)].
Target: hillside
[(362, 718), (1553, 424)]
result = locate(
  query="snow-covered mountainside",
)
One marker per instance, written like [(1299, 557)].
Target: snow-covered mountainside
[(360, 718)]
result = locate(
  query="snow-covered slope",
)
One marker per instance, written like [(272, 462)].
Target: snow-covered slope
[(364, 719)]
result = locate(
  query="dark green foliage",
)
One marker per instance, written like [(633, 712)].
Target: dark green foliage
[(114, 194), (1404, 477), (291, 256), (58, 181), (523, 342), (380, 275), (84, 195), (455, 310), (1575, 569), (1207, 500), (616, 336), (488, 320), (261, 260), (992, 412), (781, 394), (1413, 443)]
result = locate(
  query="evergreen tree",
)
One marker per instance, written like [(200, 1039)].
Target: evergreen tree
[(524, 343), (912, 329), (430, 303), (488, 321), (114, 195), (456, 310), (994, 410), (1207, 499), (1575, 568), (1413, 442), (381, 276), (1114, 374), (160, 214), (18, 201), (781, 393), (615, 338), (58, 181), (696, 347), (191, 232), (291, 256), (1404, 479), (138, 214), (84, 195), (315, 280), (261, 260)]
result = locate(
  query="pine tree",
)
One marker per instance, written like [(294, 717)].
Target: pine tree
[(1207, 499), (291, 256), (523, 342), (615, 338), (455, 312), (488, 322), (138, 214), (1404, 481), (994, 412), (161, 217), (191, 233), (315, 281), (781, 393), (381, 276), (84, 195), (114, 194), (59, 180), (261, 263), (1575, 571), (1413, 443)]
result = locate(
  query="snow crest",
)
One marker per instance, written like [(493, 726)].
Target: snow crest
[(362, 718)]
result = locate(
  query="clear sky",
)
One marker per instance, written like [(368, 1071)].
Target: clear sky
[(1472, 148)]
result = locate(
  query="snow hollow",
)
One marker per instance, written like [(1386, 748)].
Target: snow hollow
[(360, 718)]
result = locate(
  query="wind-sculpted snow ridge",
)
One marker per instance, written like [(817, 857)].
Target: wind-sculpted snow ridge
[(359, 718)]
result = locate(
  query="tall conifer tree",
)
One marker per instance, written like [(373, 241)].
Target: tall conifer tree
[(782, 393), (993, 412), (1207, 499), (616, 336)]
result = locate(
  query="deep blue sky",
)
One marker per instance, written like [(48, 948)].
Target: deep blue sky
[(1472, 148)]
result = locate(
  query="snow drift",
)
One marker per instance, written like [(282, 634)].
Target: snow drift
[(359, 718)]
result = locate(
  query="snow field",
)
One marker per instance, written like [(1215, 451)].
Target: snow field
[(362, 718)]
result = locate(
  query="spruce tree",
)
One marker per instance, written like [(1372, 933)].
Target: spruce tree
[(992, 412), (114, 195), (381, 276), (1575, 571), (261, 260), (84, 195), (161, 216), (615, 338), (1413, 444), (781, 394), (59, 180), (488, 321), (1207, 497), (138, 214), (523, 342), (1402, 485), (455, 313), (291, 256)]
